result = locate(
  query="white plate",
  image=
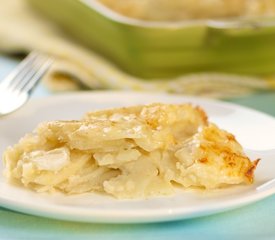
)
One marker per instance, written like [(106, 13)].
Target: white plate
[(253, 129)]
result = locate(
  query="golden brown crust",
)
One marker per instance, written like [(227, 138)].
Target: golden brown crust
[(250, 172)]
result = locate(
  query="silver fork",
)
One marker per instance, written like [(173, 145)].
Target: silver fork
[(17, 87)]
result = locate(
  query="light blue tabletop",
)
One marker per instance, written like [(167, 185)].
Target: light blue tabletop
[(255, 221)]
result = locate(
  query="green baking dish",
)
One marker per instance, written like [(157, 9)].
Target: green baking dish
[(168, 49)]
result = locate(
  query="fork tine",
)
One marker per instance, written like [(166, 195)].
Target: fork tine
[(31, 70), (16, 90), (43, 68), (12, 78)]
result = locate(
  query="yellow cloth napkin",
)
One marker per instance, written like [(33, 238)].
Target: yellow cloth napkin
[(23, 30)]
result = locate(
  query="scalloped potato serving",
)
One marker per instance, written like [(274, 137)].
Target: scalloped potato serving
[(176, 10), (133, 152)]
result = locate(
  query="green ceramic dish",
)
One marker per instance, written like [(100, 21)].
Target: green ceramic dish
[(163, 49)]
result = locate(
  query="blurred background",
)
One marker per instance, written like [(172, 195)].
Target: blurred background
[(211, 48)]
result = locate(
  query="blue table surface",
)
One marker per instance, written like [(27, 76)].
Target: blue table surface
[(254, 221)]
